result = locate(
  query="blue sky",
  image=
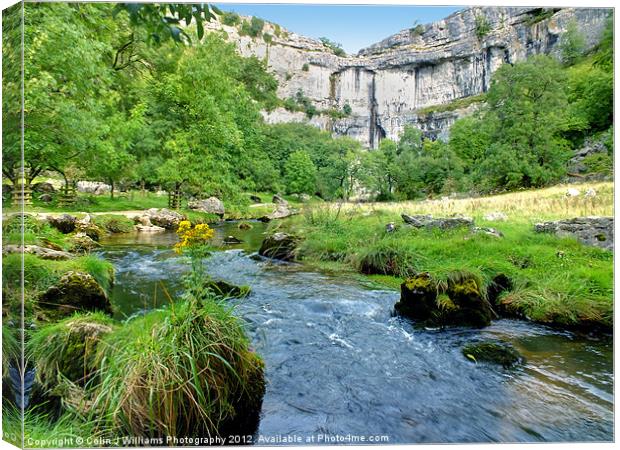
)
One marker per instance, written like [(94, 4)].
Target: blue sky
[(355, 27)]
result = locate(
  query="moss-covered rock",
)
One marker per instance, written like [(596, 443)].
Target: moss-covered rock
[(65, 223), (67, 349), (81, 243), (418, 297), (493, 352), (226, 289), (279, 246), (244, 226), (457, 301), (75, 291)]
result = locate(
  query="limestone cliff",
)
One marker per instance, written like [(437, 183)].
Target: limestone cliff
[(398, 80)]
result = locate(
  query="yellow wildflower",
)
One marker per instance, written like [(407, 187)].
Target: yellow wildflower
[(192, 237)]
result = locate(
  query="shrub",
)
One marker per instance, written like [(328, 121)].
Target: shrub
[(417, 30), (599, 163), (335, 47), (267, 38), (231, 18), (185, 371), (482, 26), (346, 109), (305, 67), (252, 28)]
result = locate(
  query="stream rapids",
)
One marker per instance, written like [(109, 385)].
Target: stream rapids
[(341, 369)]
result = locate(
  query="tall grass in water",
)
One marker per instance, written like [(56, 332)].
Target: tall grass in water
[(185, 371)]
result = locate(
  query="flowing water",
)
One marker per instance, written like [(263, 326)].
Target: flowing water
[(340, 367)]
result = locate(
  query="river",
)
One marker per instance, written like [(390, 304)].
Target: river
[(340, 367)]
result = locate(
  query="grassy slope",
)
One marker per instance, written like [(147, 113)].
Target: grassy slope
[(556, 280)]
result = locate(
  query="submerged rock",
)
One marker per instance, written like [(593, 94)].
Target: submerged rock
[(279, 246), (226, 289), (76, 291), (593, 231), (211, 205), (244, 226), (231, 240), (459, 301), (427, 221), (493, 352)]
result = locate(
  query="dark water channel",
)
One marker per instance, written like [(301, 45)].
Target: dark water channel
[(340, 367)]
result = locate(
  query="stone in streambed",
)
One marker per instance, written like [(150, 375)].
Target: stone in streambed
[(457, 301), (226, 289), (279, 246), (499, 353), (211, 205)]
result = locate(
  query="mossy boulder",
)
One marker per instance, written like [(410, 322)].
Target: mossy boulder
[(245, 226), (75, 291), (459, 300), (279, 246), (67, 349), (493, 352), (226, 289), (65, 223), (418, 297), (82, 243)]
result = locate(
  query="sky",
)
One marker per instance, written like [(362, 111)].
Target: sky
[(355, 27)]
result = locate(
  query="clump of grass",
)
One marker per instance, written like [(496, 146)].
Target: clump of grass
[(42, 430), (185, 371), (114, 223), (66, 350), (384, 259)]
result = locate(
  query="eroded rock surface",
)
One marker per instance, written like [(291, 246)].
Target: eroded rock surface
[(594, 231)]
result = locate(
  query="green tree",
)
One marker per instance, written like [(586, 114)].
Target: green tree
[(300, 173), (528, 111), (379, 169), (572, 44)]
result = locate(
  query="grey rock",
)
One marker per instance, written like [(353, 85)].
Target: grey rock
[(390, 227), (41, 252), (45, 198), (593, 231), (278, 200), (164, 218), (488, 231), (211, 205), (93, 187), (81, 242), (427, 221)]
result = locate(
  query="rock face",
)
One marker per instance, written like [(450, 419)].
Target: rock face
[(595, 231), (399, 80), (279, 246), (441, 223), (459, 301), (212, 205), (76, 291)]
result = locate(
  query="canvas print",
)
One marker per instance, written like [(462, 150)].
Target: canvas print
[(309, 224)]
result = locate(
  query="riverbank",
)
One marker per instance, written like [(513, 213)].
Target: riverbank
[(552, 280)]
